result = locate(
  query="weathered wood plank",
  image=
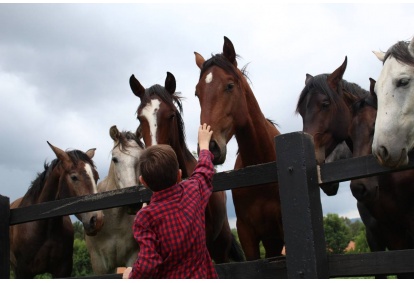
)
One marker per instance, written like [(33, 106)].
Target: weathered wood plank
[(355, 168), (369, 264), (248, 176), (4, 237), (301, 207)]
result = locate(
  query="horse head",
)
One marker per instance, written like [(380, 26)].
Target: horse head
[(394, 129), (221, 91), (78, 177)]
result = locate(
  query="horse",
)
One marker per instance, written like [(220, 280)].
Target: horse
[(229, 106), (325, 107), (161, 122), (394, 130), (115, 245), (46, 246), (392, 224)]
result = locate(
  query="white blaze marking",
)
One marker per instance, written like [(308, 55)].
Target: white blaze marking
[(150, 113), (88, 169), (209, 78)]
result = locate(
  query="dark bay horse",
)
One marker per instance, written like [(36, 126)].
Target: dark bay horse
[(46, 246), (230, 107), (114, 245), (392, 195), (325, 105), (160, 116)]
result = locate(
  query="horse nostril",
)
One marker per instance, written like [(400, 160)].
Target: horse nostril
[(92, 222), (383, 152), (213, 146)]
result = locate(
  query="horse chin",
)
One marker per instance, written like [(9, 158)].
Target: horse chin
[(330, 189)]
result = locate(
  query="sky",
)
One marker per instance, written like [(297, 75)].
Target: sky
[(65, 68)]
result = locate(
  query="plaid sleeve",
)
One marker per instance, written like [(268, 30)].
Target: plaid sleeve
[(203, 173), (148, 260)]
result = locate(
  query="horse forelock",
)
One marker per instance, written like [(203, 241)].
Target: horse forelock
[(401, 53), (123, 141), (220, 61)]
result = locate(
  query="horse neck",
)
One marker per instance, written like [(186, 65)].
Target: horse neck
[(255, 137), (186, 161), (50, 190), (108, 183)]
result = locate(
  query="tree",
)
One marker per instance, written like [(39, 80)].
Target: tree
[(81, 260), (337, 233)]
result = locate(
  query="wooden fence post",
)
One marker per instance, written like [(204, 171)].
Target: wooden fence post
[(301, 207), (4, 237)]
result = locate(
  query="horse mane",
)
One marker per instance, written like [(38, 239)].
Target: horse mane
[(351, 91), (37, 185), (173, 101), (123, 139), (400, 52)]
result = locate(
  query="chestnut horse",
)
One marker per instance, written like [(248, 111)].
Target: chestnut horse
[(161, 122), (115, 245), (391, 194), (46, 246), (394, 132), (229, 106)]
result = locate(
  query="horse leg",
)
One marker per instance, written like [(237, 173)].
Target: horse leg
[(273, 247), (248, 240)]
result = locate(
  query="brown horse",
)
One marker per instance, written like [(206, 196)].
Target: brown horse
[(46, 246), (230, 107), (161, 123), (325, 106), (391, 195)]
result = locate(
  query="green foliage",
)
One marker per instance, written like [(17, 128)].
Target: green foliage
[(81, 259), (78, 230), (337, 233), (361, 244)]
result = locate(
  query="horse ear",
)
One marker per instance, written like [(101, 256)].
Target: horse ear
[(411, 47), (229, 52), (380, 55), (91, 153), (136, 87), (170, 83), (199, 60), (334, 78), (308, 78), (62, 156), (114, 133), (372, 87)]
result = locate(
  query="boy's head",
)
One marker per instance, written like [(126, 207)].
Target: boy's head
[(158, 167)]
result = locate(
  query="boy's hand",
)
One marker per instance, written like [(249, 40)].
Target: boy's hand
[(204, 136), (126, 273)]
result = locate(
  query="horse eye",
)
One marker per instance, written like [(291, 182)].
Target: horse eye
[(325, 104), (230, 86), (172, 116), (74, 178), (115, 160), (402, 82)]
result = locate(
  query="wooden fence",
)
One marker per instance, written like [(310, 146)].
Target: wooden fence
[(299, 178)]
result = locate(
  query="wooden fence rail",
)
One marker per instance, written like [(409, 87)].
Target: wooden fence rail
[(299, 178)]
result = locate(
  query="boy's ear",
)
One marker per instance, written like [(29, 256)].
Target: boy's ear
[(142, 181), (179, 174)]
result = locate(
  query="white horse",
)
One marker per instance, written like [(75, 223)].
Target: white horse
[(114, 245), (394, 126)]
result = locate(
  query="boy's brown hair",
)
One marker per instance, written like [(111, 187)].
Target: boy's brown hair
[(158, 167)]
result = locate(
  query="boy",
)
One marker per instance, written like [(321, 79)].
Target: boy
[(171, 229)]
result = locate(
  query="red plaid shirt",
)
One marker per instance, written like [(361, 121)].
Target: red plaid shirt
[(171, 229)]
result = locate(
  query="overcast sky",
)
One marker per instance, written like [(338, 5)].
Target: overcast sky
[(65, 68)]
